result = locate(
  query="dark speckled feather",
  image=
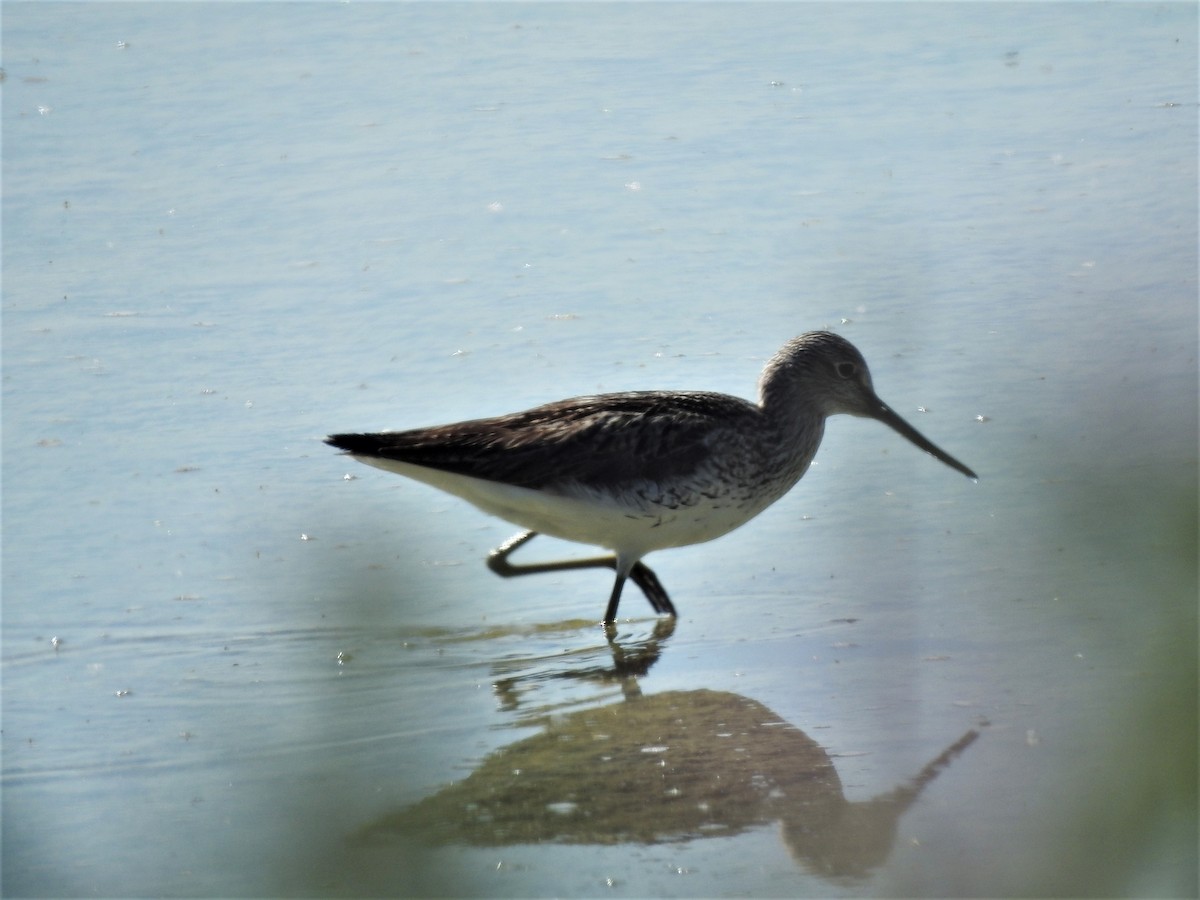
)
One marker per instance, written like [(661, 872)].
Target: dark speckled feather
[(604, 440)]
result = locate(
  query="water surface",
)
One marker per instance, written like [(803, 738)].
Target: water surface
[(232, 229)]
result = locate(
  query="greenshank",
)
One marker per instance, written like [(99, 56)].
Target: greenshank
[(641, 471)]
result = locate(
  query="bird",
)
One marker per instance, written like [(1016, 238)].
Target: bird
[(638, 471)]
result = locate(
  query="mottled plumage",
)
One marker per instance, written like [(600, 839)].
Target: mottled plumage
[(640, 471)]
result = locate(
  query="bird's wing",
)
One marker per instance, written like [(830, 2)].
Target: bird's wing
[(600, 440)]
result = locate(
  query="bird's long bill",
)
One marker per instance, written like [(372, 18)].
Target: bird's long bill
[(888, 416)]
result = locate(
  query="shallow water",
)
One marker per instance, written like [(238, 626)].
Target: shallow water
[(230, 230)]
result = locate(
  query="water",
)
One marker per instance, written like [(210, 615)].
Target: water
[(230, 230)]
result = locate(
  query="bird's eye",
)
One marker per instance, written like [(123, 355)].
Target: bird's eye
[(846, 369)]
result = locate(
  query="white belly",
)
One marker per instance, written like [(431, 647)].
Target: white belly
[(628, 524)]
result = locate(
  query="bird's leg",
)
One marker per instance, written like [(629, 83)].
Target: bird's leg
[(641, 574), (610, 614), (498, 559)]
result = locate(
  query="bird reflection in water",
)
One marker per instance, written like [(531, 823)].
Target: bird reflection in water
[(667, 767)]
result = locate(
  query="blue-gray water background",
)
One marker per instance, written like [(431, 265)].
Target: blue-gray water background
[(230, 229)]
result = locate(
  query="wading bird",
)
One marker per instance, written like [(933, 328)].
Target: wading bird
[(640, 471)]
